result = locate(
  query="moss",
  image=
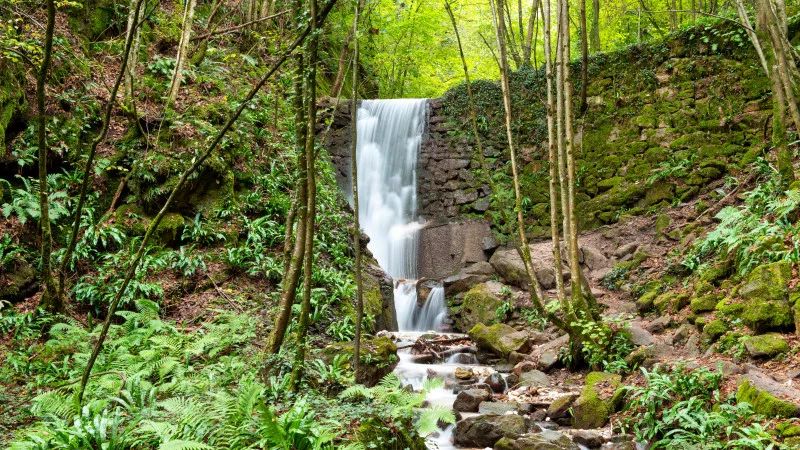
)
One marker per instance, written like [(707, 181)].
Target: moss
[(769, 345), (169, 228), (496, 338), (479, 306), (378, 357), (763, 402), (705, 303), (610, 183), (658, 192), (645, 302), (593, 408), (13, 103), (728, 308), (713, 331), (787, 429), (662, 222), (795, 300), (766, 295), (373, 433), (717, 273), (670, 300), (16, 284)]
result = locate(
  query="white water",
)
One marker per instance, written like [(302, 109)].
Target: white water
[(389, 138)]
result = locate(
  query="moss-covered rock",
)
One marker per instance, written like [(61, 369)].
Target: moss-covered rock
[(485, 431), (480, 306), (13, 104), (600, 398), (755, 391), (645, 303), (766, 345), (662, 222), (727, 307), (373, 433), (18, 283), (499, 338), (378, 358), (705, 303), (788, 429), (712, 331), (671, 301), (766, 295), (659, 191)]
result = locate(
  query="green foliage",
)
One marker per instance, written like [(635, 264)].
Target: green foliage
[(605, 344), (404, 403), (682, 408), (25, 200)]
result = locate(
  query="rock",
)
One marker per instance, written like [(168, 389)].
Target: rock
[(692, 346), (498, 408), (462, 281), (645, 303), (523, 366), (485, 431), (588, 438), (768, 397), (594, 259), (378, 356), (481, 205), (766, 297), (766, 345), (480, 268), (496, 382), (640, 336), (480, 305), (712, 331), (534, 378), (489, 243), (626, 249), (599, 399), (544, 440), (373, 430), (705, 303), (470, 399), (516, 358), (509, 266), (670, 300), (504, 368), (660, 324), (444, 248), (682, 334), (560, 408), (730, 368), (548, 360), (463, 374), (18, 283), (500, 338)]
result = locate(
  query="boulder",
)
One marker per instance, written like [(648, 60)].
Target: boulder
[(470, 399), (543, 440), (500, 338), (560, 408), (498, 408), (480, 305), (534, 378), (645, 303), (18, 283), (599, 399), (768, 397), (588, 438), (766, 296), (626, 249), (639, 336), (509, 266), (480, 268), (671, 301), (712, 331), (463, 373), (462, 282), (496, 383), (378, 358), (373, 431), (594, 259), (660, 324), (766, 345), (485, 431), (705, 303)]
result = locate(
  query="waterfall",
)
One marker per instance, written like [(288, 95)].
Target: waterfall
[(389, 138)]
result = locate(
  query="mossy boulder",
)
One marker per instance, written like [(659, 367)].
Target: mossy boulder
[(762, 394), (480, 305), (373, 433), (500, 338), (662, 222), (645, 303), (671, 301), (378, 358), (18, 283), (13, 104), (729, 308), (705, 303), (659, 191), (712, 331), (600, 398), (485, 431), (766, 296), (378, 298), (788, 429), (766, 345)]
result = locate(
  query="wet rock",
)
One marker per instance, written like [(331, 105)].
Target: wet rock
[(534, 378), (469, 400), (588, 438), (544, 440), (463, 374), (498, 408), (485, 431), (599, 399), (496, 382), (766, 345)]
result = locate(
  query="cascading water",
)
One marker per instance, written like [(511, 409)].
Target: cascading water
[(389, 138)]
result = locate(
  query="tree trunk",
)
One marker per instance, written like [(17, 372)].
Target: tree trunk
[(354, 177), (594, 39), (183, 49), (308, 262), (336, 88), (136, 10), (584, 57), (291, 276), (112, 308), (128, 57), (49, 300), (529, 42)]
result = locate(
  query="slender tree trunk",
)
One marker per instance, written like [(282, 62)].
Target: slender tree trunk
[(354, 177), (308, 263), (50, 300), (288, 245), (535, 288), (137, 6), (594, 40), (136, 10), (529, 42), (183, 49), (292, 274), (584, 57), (178, 186)]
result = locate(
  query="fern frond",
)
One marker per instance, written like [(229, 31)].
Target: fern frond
[(184, 445), (429, 419), (358, 390)]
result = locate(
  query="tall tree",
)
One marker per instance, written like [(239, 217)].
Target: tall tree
[(354, 178), (308, 262), (584, 57), (131, 271), (50, 300), (594, 38), (183, 50), (136, 10)]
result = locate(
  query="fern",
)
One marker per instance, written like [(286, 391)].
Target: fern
[(184, 445)]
